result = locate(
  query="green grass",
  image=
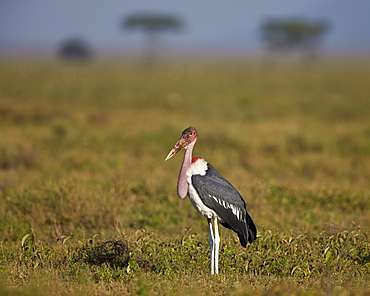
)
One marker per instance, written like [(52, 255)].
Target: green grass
[(89, 207)]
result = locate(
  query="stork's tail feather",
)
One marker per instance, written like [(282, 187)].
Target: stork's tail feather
[(252, 230), (250, 234), (242, 239)]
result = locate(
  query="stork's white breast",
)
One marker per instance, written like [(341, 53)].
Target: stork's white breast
[(199, 167)]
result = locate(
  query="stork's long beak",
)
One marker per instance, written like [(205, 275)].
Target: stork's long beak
[(188, 136), (180, 144)]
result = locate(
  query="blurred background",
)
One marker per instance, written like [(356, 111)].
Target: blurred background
[(279, 93), (98, 29)]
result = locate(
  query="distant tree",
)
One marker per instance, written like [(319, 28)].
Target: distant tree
[(74, 50), (152, 25), (294, 35)]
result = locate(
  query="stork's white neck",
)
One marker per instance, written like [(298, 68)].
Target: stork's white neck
[(199, 167)]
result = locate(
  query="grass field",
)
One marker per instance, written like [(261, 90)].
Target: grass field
[(89, 207)]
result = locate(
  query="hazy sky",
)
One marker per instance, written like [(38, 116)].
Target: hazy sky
[(209, 23)]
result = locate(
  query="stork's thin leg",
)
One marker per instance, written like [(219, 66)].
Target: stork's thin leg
[(216, 245), (212, 246)]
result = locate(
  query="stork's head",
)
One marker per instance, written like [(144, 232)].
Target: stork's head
[(188, 136)]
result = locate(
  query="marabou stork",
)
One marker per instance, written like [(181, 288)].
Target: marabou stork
[(212, 195)]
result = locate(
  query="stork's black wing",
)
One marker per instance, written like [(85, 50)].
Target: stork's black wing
[(219, 195)]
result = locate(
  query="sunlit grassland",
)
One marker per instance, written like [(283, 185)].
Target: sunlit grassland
[(82, 171)]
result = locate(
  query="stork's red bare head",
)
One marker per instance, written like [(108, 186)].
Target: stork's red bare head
[(188, 136)]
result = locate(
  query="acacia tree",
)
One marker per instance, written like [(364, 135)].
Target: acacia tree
[(152, 25), (293, 35), (74, 49)]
